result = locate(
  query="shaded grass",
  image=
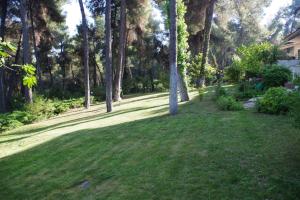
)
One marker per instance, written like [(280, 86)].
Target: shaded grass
[(202, 153)]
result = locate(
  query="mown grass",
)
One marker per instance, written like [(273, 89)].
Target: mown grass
[(202, 153)]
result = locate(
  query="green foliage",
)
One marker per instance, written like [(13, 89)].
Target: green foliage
[(228, 103), (253, 58), (234, 73), (276, 101), (29, 79), (182, 43), (219, 91), (276, 76), (6, 49), (41, 108), (296, 81), (195, 68)]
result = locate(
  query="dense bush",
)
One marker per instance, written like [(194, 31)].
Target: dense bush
[(219, 91), (276, 101), (276, 76), (41, 108), (296, 81), (229, 103), (234, 73), (251, 60)]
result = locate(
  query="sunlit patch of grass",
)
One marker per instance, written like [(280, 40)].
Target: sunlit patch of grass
[(140, 152)]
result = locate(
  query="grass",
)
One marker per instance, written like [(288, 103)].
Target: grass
[(139, 152)]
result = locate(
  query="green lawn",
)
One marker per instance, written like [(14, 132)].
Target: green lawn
[(139, 152)]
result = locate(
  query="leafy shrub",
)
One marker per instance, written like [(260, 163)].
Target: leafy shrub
[(276, 76), (220, 91), (15, 119), (229, 103), (296, 81), (276, 101), (234, 73), (41, 108)]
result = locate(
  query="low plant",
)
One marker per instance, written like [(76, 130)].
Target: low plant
[(219, 91), (276, 76), (41, 108), (229, 103), (276, 101)]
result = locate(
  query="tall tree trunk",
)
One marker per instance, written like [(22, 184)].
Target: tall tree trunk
[(26, 46), (36, 51), (173, 58), (118, 77), (207, 31), (182, 87), (86, 57), (108, 56), (2, 34)]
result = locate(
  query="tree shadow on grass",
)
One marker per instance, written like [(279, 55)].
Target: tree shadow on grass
[(153, 158), (75, 122)]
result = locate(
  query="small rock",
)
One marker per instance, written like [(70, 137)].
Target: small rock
[(85, 184)]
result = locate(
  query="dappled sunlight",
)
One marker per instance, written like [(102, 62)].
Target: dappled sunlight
[(130, 109)]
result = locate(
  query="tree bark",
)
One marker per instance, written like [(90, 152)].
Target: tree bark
[(108, 56), (207, 32), (173, 107), (36, 51), (3, 107), (86, 57), (182, 87), (118, 77), (26, 46)]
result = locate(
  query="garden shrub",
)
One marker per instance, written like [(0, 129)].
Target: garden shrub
[(234, 73), (229, 103), (295, 111), (41, 108), (296, 81), (276, 101), (220, 91), (276, 76)]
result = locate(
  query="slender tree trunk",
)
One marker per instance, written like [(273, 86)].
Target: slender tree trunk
[(207, 31), (173, 58), (118, 77), (86, 57), (36, 51), (26, 46), (108, 56), (2, 34)]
